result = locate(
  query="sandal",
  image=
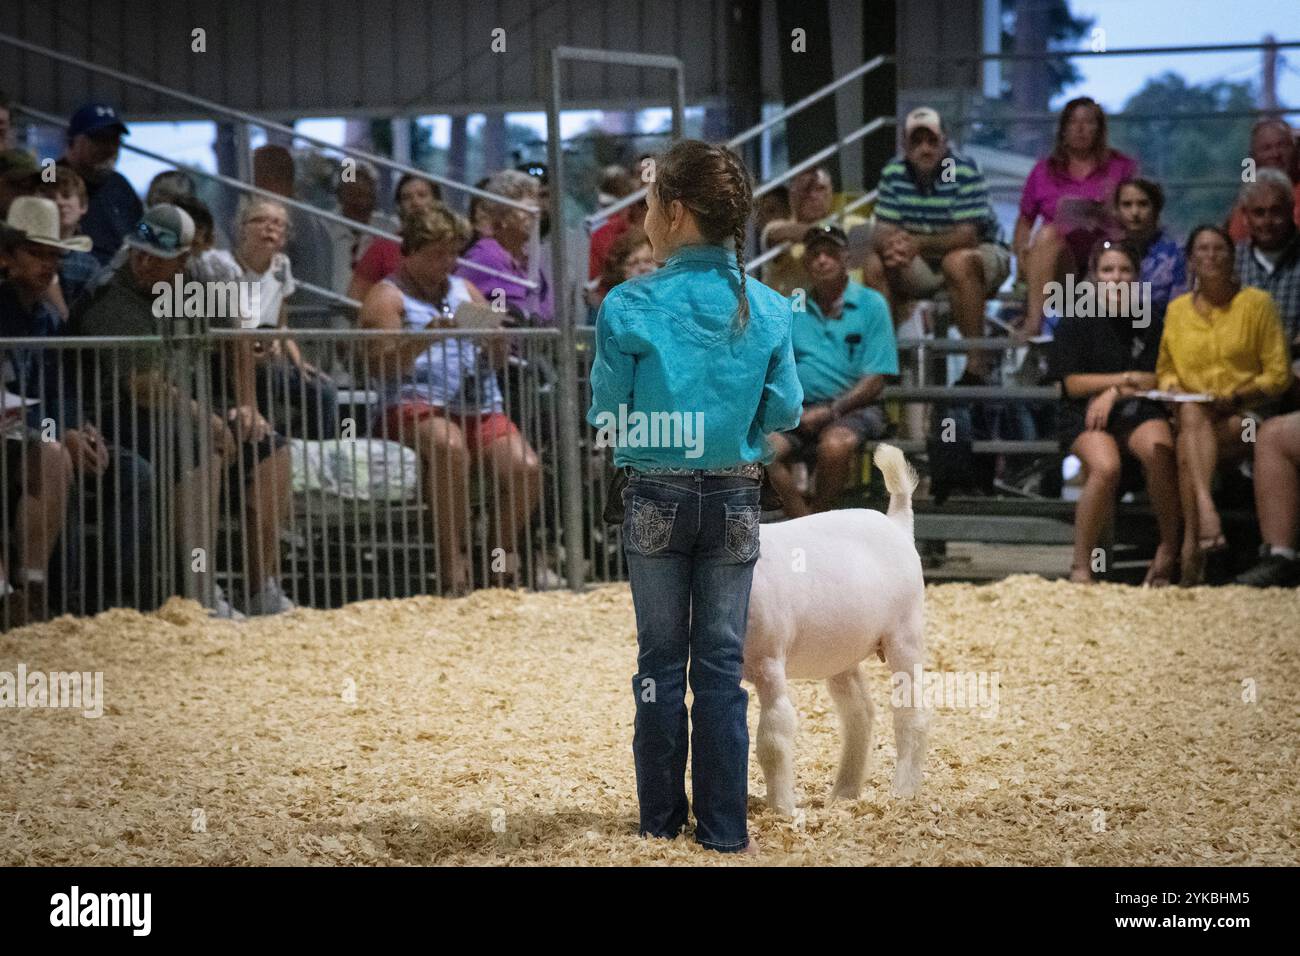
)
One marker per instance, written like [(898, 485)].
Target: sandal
[(1192, 568), (1160, 573), (1213, 545)]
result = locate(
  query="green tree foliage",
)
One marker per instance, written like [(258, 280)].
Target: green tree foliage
[(1064, 32), (1185, 144)]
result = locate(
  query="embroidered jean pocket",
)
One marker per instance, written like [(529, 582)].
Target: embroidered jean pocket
[(650, 524), (742, 532)]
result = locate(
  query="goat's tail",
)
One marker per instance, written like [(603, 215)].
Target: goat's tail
[(900, 480)]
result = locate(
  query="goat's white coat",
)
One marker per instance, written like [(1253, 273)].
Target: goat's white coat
[(830, 590)]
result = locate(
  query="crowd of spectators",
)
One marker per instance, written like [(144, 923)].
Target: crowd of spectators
[(1175, 359), (1167, 394), (82, 255)]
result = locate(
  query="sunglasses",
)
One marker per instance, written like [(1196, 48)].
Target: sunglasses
[(160, 238)]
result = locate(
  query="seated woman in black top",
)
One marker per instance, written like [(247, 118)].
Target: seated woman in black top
[(1101, 362)]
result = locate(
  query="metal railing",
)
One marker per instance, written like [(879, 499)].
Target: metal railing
[(136, 469), (323, 214), (570, 406), (218, 109), (838, 216), (596, 218)]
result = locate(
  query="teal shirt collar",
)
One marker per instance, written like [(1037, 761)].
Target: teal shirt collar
[(702, 253), (852, 300)]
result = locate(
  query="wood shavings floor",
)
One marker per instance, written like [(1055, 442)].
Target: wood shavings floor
[(497, 730)]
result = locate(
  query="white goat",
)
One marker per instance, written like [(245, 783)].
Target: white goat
[(830, 590)]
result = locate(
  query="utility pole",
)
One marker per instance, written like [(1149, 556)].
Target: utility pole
[(1029, 86), (1268, 77)]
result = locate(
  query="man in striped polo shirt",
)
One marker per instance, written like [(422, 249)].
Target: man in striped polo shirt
[(936, 230)]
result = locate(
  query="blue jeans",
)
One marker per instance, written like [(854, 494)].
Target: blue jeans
[(691, 544), (106, 556)]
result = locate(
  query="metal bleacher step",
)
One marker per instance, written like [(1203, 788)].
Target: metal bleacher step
[(1000, 529)]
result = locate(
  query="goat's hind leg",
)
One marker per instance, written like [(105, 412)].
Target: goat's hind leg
[(776, 728), (853, 704), (904, 651)]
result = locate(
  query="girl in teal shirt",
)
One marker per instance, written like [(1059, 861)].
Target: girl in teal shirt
[(693, 368)]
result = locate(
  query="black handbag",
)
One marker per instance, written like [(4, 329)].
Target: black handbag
[(613, 513)]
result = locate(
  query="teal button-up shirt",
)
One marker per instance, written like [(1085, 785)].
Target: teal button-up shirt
[(675, 384), (832, 355)]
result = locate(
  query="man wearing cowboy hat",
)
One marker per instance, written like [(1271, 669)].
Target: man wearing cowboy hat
[(38, 473), (117, 486), (20, 175)]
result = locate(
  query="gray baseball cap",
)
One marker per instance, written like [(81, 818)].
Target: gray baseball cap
[(166, 231)]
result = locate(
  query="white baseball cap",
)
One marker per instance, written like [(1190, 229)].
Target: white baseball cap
[(923, 117)]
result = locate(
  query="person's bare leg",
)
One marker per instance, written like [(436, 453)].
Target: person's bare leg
[(444, 461), (43, 506), (1203, 459), (1100, 456), (837, 450), (268, 504), (514, 469), (793, 503), (963, 272), (1198, 456), (1229, 450), (192, 528), (41, 512), (1047, 260), (1186, 501), (1277, 480), (900, 297), (1152, 443), (873, 276)]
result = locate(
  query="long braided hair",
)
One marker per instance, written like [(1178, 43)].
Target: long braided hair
[(713, 183)]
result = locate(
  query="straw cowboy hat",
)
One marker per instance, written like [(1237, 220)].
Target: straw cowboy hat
[(38, 221)]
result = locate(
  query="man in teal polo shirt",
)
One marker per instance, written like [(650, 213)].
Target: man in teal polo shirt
[(843, 348)]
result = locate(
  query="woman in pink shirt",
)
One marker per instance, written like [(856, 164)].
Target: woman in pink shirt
[(1071, 192)]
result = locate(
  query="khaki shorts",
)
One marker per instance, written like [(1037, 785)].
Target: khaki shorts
[(923, 279), (867, 423)]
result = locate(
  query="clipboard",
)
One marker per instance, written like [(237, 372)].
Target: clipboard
[(471, 315), (1158, 396)]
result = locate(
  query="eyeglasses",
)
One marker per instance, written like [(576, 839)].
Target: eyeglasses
[(161, 238)]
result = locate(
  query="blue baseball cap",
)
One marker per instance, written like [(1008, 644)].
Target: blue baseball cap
[(94, 117)]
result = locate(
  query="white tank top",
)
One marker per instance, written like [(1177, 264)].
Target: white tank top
[(450, 373)]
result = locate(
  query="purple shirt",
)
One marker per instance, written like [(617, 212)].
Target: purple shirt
[(1165, 268), (1048, 183), (533, 303)]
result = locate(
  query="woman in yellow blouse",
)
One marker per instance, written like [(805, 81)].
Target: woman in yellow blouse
[(1225, 341)]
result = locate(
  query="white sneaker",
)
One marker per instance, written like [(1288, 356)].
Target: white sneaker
[(548, 580), (270, 600), (221, 608)]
